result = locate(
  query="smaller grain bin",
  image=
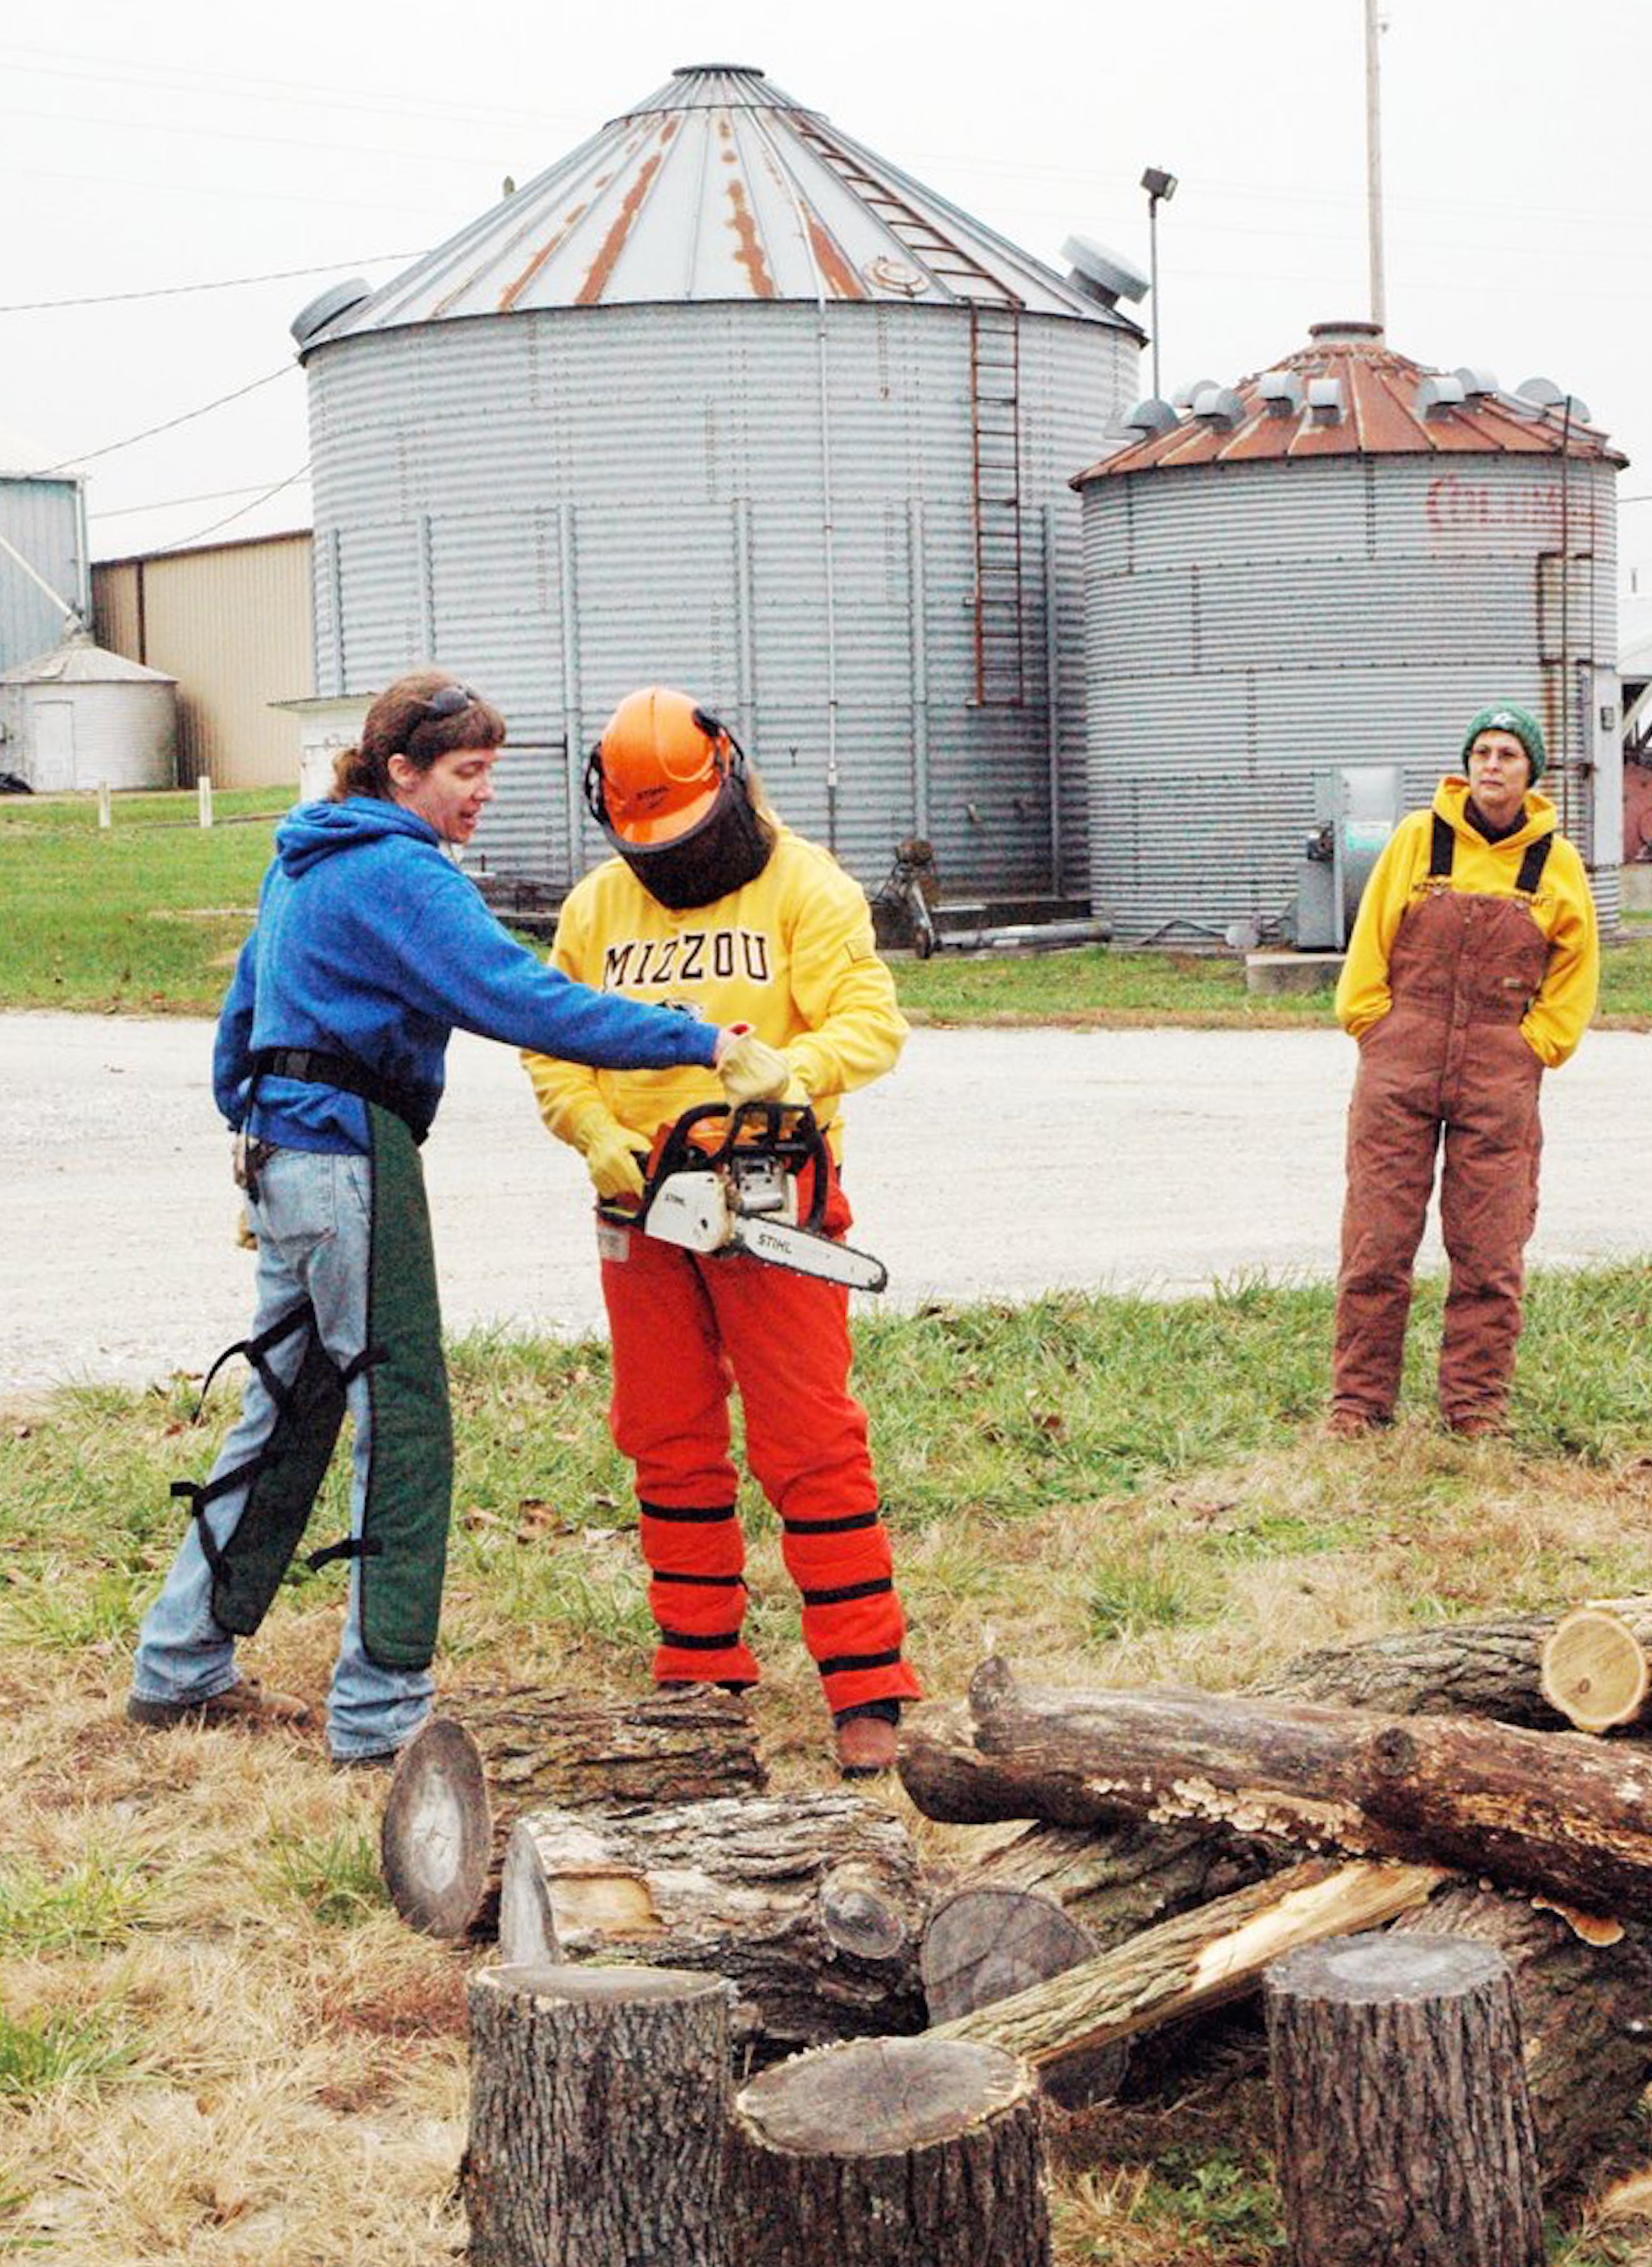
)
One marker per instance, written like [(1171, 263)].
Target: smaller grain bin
[(80, 717), (1336, 562)]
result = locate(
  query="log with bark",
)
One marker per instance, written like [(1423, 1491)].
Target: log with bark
[(1585, 2016), (889, 2153), (811, 1905), (1563, 1815), (462, 1783), (1405, 2132), (1492, 1667), (599, 2102), (1198, 1961)]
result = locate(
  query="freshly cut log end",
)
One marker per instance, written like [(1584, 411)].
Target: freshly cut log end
[(889, 2153), (436, 1841), (1405, 2128), (1593, 1670), (598, 2108)]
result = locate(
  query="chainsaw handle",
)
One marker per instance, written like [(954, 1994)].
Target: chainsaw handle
[(787, 1131)]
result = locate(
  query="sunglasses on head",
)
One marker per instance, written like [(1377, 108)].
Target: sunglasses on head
[(449, 700)]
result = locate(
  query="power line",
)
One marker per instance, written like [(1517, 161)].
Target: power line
[(170, 503), (89, 456), (184, 541), (223, 283)]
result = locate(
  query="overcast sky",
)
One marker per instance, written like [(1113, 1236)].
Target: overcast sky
[(149, 150)]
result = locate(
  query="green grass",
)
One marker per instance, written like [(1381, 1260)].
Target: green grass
[(332, 1877), (145, 918), (65, 2050), (92, 1906), (1096, 985)]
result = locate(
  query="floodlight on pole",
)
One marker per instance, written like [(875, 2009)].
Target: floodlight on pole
[(1161, 188)]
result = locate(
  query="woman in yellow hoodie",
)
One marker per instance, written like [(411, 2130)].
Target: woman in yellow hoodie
[(1472, 968), (714, 906)]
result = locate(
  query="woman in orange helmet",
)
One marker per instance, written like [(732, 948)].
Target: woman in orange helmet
[(712, 906)]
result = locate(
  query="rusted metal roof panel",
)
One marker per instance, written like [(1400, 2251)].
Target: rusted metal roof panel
[(719, 186), (1382, 412)]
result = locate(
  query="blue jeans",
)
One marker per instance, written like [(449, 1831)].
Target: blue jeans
[(313, 1217)]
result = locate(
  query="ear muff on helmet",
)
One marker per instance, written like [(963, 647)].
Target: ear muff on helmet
[(657, 770)]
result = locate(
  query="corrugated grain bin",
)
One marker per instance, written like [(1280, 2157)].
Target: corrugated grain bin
[(725, 401), (79, 717), (1338, 560)]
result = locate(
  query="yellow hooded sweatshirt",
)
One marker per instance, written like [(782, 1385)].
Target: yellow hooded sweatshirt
[(1562, 909), (790, 953)]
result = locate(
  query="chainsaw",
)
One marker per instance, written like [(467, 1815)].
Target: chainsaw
[(723, 1181)]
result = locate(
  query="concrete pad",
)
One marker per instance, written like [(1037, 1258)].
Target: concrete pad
[(991, 1164)]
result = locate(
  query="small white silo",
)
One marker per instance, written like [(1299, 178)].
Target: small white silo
[(1337, 562), (82, 717)]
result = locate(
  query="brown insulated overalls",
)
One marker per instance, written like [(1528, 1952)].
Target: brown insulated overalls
[(1447, 1057)]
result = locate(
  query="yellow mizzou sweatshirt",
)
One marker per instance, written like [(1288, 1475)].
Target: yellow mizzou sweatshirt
[(791, 953)]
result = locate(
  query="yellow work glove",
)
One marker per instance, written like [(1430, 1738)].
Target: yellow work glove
[(610, 1155), (752, 1071)]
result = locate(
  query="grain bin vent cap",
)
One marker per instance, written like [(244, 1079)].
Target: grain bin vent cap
[(1106, 274), (328, 307)]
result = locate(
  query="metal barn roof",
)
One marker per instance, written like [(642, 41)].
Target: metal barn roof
[(1348, 393), (719, 186)]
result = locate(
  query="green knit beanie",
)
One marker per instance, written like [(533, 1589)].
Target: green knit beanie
[(1506, 717)]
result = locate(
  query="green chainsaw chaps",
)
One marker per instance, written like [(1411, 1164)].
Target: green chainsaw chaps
[(403, 1545)]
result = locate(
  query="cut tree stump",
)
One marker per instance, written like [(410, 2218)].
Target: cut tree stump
[(1492, 1667), (889, 2153), (1198, 1961), (1405, 2133), (597, 2120), (462, 1782), (1595, 1669), (811, 1906), (1559, 1814)]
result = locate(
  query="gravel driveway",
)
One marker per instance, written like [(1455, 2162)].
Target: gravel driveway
[(991, 1164)]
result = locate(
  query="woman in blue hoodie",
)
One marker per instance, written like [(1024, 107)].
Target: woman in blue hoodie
[(370, 946)]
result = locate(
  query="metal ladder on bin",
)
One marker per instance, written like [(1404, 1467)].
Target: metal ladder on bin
[(994, 376)]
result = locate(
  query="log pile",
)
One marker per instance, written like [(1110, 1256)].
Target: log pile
[(1402, 1784), (1181, 1854)]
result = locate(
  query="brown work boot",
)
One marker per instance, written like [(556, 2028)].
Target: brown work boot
[(1347, 1423), (866, 1746), (1478, 1425), (243, 1707)]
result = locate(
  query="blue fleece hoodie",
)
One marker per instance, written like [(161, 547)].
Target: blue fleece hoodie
[(370, 942)]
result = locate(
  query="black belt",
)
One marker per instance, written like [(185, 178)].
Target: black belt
[(311, 1067)]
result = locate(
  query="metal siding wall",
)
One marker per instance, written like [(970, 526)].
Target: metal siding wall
[(1224, 669), (117, 620), (232, 626), (686, 443), (41, 519)]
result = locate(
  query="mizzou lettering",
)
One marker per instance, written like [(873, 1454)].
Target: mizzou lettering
[(643, 964)]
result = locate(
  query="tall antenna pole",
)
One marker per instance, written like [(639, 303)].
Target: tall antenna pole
[(1374, 160)]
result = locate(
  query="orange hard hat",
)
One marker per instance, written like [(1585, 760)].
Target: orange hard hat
[(658, 768)]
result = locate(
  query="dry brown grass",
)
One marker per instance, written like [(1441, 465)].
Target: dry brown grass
[(293, 2092)]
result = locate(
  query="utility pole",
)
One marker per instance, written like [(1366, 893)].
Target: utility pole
[(1374, 158)]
